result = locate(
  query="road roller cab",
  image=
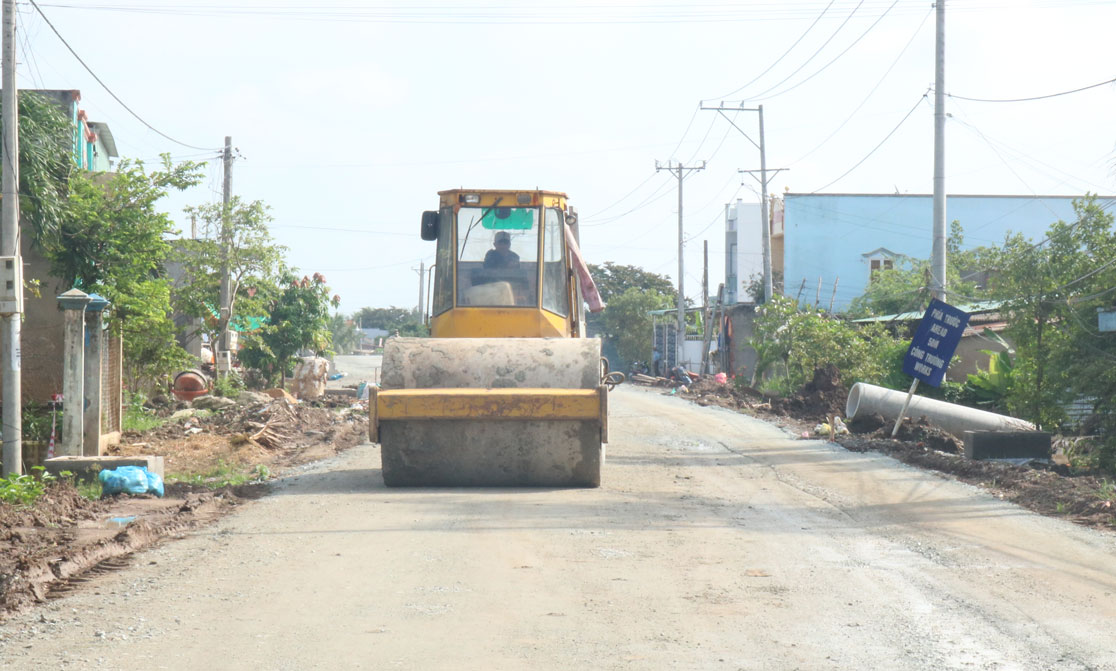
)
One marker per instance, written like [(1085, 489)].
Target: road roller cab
[(507, 391), (503, 265)]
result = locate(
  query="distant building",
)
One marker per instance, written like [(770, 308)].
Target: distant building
[(827, 246), (92, 145)]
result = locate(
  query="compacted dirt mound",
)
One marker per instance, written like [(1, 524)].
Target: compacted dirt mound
[(818, 399), (707, 391)]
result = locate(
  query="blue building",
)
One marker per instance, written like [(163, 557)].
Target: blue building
[(836, 241)]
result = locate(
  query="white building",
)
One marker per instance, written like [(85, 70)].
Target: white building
[(743, 248)]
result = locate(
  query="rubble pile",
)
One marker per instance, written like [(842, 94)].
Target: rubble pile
[(279, 422)]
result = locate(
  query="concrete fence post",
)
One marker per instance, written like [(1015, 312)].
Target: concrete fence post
[(94, 365), (73, 302)]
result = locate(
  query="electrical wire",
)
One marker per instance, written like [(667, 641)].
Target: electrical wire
[(624, 197), (870, 93), (107, 89), (1024, 100), (812, 56), (780, 58), (835, 58), (866, 157)]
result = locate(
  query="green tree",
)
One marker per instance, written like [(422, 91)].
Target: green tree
[(345, 334), (407, 322), (792, 343), (298, 319), (613, 280), (626, 322), (1050, 292), (112, 241), (45, 164), (255, 264), (755, 285)]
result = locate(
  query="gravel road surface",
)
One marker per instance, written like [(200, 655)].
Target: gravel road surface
[(716, 542)]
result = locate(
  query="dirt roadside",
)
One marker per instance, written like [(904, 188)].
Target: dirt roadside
[(215, 459), (1045, 488)]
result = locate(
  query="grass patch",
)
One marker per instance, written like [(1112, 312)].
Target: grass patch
[(1107, 490), (138, 418), (26, 489), (89, 490), (223, 474)]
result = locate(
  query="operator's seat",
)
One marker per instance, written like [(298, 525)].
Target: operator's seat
[(490, 294)]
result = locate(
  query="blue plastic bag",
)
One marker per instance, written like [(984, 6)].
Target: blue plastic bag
[(154, 484), (130, 480)]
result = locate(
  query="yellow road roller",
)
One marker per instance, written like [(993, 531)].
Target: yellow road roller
[(508, 391)]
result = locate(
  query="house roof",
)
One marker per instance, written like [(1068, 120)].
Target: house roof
[(971, 308), (102, 130)]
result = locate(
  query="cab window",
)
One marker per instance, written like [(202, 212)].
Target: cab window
[(556, 284), (497, 256)]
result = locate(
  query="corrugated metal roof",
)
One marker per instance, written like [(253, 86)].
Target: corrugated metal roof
[(979, 306)]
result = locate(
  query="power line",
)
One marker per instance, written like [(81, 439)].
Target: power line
[(780, 58), (870, 93), (886, 138), (1024, 100), (812, 56), (554, 14), (835, 58), (106, 88), (622, 198)]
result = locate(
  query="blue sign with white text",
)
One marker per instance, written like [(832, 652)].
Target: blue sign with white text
[(934, 342)]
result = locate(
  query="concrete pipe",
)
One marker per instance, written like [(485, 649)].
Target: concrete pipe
[(868, 399)]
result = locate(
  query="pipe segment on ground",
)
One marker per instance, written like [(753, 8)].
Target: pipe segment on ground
[(867, 399)]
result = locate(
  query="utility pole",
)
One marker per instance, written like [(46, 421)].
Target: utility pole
[(763, 179), (9, 249), (705, 313), (225, 310), (679, 171), (938, 262), (421, 270)]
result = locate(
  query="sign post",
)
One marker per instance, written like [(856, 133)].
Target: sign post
[(931, 348)]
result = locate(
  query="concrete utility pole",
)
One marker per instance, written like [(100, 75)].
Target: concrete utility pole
[(763, 179), (421, 270), (10, 313), (225, 310), (705, 313), (938, 262), (679, 171)]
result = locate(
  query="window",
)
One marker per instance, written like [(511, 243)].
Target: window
[(443, 278), (497, 256), (556, 281), (877, 265)]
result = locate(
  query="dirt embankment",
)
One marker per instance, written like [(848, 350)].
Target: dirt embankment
[(1049, 489), (63, 540)]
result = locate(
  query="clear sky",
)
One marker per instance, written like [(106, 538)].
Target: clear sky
[(350, 116)]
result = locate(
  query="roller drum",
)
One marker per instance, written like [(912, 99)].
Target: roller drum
[(491, 363), (492, 451)]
